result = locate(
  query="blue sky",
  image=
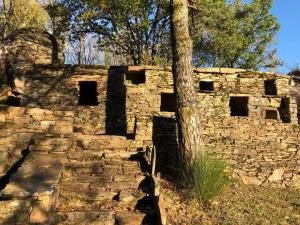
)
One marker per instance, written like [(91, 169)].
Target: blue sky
[(288, 38)]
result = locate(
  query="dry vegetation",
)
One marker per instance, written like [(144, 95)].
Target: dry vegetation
[(237, 205)]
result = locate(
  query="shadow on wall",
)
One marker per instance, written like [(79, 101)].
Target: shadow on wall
[(47, 91), (165, 142), (55, 49), (116, 102), (27, 47), (284, 110)]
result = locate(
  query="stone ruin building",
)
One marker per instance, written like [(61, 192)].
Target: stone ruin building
[(74, 139)]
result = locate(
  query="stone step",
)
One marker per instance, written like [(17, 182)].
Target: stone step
[(105, 180), (39, 174), (74, 199), (104, 217), (101, 168), (94, 155), (96, 142), (94, 182), (121, 154), (106, 162), (85, 218), (14, 211), (130, 218)]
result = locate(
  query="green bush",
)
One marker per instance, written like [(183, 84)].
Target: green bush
[(205, 176)]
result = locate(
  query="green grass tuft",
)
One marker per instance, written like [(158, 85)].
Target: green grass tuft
[(205, 176)]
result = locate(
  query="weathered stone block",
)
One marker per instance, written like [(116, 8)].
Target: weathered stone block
[(42, 209), (129, 218), (277, 174), (14, 211), (63, 127), (251, 180)]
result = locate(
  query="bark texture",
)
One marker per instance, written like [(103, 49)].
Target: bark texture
[(187, 115)]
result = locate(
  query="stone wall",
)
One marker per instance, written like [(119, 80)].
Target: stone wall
[(58, 87), (261, 146), (249, 118), (295, 90), (20, 51)]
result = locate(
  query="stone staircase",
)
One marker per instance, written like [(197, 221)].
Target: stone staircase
[(100, 180), (104, 182)]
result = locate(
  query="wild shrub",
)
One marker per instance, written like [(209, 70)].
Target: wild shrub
[(205, 176)]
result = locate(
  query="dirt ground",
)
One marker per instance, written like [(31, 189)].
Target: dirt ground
[(239, 204)]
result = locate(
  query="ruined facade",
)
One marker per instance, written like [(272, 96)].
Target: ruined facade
[(18, 54), (248, 117), (66, 115)]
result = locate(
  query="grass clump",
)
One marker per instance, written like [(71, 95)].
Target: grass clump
[(205, 176)]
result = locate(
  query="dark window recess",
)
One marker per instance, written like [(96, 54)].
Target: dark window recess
[(284, 110), (270, 87), (88, 93), (239, 106), (168, 102), (136, 77), (206, 86), (271, 114), (13, 101)]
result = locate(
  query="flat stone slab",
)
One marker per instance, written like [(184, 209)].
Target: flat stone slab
[(14, 211), (32, 191), (129, 218), (99, 154), (28, 189), (85, 218), (101, 141), (39, 174)]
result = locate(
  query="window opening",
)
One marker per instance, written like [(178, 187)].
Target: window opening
[(13, 101), (271, 114), (206, 86), (88, 94), (136, 77), (168, 102), (270, 87), (239, 106)]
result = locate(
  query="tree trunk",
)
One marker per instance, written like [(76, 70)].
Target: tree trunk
[(187, 115)]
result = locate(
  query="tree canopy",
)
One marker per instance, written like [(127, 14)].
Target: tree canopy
[(234, 34), (137, 29), (225, 33), (17, 14), (59, 15)]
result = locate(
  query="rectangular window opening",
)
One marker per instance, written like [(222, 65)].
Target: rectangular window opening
[(136, 77), (239, 106), (270, 87), (168, 102), (284, 110), (13, 101), (88, 94), (271, 114), (206, 86)]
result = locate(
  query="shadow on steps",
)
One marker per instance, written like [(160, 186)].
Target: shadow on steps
[(4, 180)]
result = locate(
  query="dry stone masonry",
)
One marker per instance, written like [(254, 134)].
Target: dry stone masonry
[(248, 117), (19, 52), (74, 138)]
